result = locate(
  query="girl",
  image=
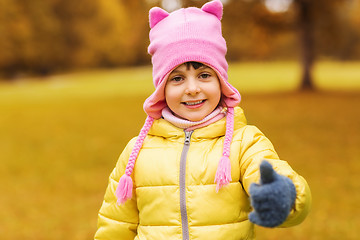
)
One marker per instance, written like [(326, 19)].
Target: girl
[(192, 172)]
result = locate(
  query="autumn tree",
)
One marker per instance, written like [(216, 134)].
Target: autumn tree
[(253, 31), (44, 36), (29, 36)]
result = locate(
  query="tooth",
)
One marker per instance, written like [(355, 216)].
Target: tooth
[(194, 103)]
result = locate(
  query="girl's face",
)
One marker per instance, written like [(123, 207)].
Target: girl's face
[(192, 94)]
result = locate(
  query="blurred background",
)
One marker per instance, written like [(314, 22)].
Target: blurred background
[(74, 76)]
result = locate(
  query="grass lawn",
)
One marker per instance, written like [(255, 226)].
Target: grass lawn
[(60, 138)]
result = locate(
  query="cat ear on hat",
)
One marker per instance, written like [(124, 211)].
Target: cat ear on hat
[(214, 7), (156, 14)]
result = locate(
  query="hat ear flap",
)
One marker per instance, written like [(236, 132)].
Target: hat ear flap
[(214, 7), (156, 14)]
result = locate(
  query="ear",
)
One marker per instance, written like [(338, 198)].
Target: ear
[(156, 14), (214, 7)]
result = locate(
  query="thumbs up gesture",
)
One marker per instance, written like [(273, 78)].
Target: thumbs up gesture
[(272, 199)]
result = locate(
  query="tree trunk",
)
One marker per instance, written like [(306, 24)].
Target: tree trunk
[(305, 22)]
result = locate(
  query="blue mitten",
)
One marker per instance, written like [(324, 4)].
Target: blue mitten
[(272, 199)]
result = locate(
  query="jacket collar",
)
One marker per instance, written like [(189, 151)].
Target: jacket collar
[(163, 128)]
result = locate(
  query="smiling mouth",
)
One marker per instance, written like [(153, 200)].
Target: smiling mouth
[(193, 103)]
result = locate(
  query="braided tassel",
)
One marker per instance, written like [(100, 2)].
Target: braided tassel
[(125, 187), (223, 172)]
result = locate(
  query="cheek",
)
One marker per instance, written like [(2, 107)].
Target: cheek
[(217, 97), (171, 94), (215, 92)]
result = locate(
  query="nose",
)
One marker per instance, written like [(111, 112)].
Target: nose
[(192, 87)]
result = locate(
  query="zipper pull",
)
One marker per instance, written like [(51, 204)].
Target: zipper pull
[(187, 137)]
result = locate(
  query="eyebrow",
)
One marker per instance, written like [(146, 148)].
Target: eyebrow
[(175, 71), (203, 66)]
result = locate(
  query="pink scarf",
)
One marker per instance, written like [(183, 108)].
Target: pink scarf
[(216, 115)]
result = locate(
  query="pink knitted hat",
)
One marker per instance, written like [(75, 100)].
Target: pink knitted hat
[(188, 34)]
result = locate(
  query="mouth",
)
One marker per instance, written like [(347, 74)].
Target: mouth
[(193, 103)]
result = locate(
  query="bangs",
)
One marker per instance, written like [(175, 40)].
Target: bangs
[(195, 65)]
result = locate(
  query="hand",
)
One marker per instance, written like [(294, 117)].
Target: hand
[(272, 199)]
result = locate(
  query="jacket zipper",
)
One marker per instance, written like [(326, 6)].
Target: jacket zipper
[(182, 183)]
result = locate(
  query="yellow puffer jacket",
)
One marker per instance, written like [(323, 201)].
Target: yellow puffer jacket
[(174, 194)]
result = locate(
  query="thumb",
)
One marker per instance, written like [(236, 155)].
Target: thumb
[(267, 173)]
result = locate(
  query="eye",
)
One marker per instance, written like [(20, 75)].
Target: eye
[(204, 75), (176, 79)]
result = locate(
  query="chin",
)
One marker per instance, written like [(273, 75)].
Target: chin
[(193, 116), (195, 119)]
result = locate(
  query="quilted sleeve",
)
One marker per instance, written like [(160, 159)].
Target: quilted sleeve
[(255, 147), (118, 221)]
